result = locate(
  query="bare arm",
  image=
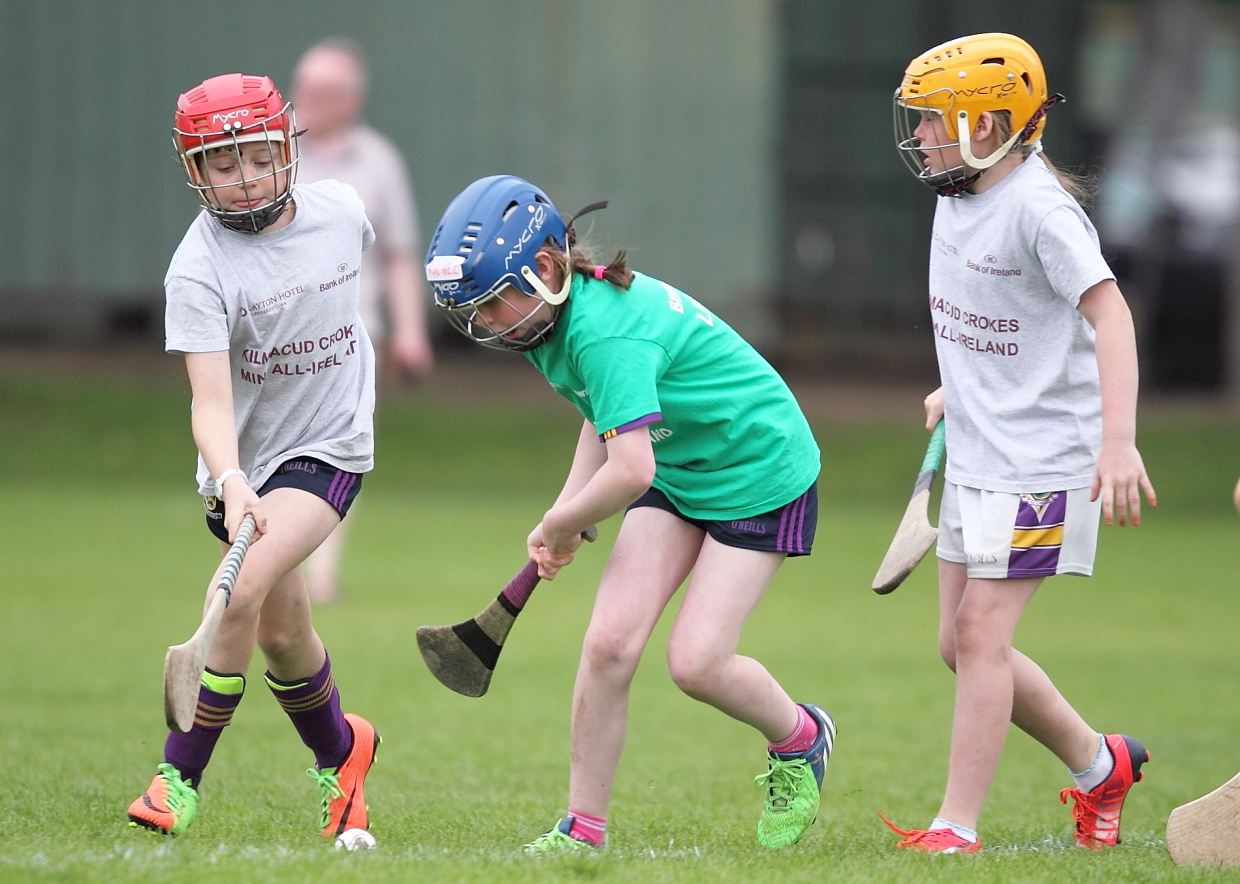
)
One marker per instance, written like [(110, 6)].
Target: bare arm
[(1119, 475), (603, 480), (215, 433), (411, 346), (934, 409)]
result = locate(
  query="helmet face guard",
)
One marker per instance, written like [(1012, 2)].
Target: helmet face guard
[(957, 82), (486, 242), (525, 332), (223, 113), (949, 179)]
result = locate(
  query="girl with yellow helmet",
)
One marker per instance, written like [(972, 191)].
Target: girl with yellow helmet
[(1038, 361)]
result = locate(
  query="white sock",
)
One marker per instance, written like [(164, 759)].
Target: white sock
[(1094, 775), (959, 831)]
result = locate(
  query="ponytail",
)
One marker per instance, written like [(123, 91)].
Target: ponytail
[(615, 272)]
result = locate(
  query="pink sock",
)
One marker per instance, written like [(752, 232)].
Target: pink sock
[(591, 829), (802, 736)]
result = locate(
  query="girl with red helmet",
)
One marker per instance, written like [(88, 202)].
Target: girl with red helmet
[(262, 302), (1038, 361)]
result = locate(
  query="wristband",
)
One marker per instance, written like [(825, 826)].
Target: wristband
[(224, 476)]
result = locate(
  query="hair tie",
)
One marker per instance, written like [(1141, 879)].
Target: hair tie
[(599, 270)]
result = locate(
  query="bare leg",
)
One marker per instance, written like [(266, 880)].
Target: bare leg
[(322, 567), (994, 684), (726, 585), (654, 552), (269, 601), (290, 646)]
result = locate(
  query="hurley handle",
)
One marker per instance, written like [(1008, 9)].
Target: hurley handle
[(232, 562), (933, 460)]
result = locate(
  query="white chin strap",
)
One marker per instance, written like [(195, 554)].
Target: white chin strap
[(966, 151), (555, 299)]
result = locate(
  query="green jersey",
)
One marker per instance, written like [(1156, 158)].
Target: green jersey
[(729, 439)]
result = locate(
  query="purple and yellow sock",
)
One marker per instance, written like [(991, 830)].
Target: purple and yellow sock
[(218, 696), (801, 738), (313, 705), (588, 828)]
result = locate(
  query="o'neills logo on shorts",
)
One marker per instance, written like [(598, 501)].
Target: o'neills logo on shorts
[(299, 466)]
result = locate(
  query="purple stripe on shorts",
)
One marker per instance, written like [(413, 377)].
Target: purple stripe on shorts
[(1038, 561), (332, 488), (792, 527), (339, 489)]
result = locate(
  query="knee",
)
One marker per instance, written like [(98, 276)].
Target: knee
[(973, 637), (609, 653), (277, 640), (692, 671), (245, 602)]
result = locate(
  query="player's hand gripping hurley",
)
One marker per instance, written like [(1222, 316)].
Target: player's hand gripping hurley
[(463, 656), (915, 535), (184, 664)]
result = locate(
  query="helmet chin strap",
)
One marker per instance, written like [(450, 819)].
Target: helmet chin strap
[(966, 150), (1019, 137), (555, 299)]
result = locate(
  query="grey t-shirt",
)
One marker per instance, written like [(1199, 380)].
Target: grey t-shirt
[(1007, 269), (284, 306)]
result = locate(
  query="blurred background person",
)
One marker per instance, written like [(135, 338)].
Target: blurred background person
[(329, 90)]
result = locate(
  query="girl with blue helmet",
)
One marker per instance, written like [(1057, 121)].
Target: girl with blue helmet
[(691, 433)]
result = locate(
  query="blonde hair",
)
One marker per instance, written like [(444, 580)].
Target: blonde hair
[(1081, 187)]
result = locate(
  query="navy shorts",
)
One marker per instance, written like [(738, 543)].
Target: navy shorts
[(788, 529), (310, 474)]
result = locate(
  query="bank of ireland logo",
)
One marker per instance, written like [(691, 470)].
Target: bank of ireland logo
[(1039, 502)]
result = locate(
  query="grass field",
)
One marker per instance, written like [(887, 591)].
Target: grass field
[(105, 558)]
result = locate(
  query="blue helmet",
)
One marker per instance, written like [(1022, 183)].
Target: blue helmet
[(485, 242)]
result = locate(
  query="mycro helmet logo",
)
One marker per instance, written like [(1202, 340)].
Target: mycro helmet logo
[(231, 115), (446, 292), (539, 216), (996, 89)]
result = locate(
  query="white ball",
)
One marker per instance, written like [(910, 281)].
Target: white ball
[(355, 839)]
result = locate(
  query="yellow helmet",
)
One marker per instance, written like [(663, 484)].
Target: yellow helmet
[(960, 79)]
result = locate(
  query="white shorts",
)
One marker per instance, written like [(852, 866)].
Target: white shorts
[(998, 535)]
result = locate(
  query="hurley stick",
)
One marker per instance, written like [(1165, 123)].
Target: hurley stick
[(915, 535), (1206, 832), (183, 665), (463, 656)]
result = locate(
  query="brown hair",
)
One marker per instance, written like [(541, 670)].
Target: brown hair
[(616, 271)]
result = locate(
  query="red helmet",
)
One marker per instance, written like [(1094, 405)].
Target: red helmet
[(227, 111)]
